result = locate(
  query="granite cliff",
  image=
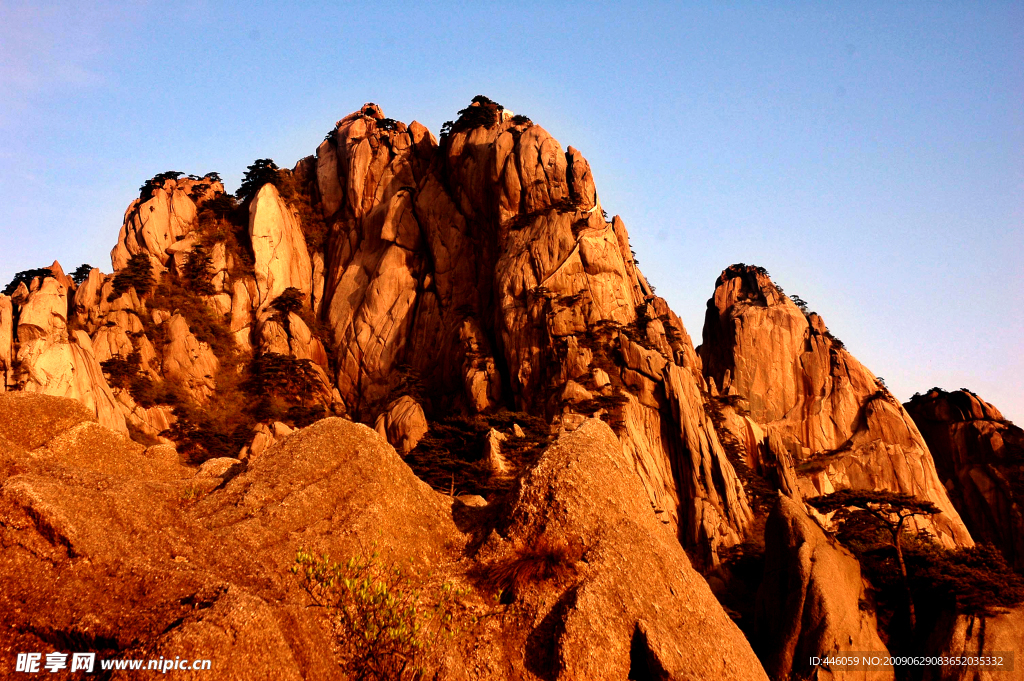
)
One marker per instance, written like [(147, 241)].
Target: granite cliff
[(444, 346)]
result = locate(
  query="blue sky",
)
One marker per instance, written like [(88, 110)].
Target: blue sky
[(869, 155)]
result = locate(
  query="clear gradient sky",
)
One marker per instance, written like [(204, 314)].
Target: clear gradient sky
[(870, 155)]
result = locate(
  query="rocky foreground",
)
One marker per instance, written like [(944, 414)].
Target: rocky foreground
[(442, 351)]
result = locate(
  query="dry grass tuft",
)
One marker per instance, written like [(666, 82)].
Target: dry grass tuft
[(546, 559)]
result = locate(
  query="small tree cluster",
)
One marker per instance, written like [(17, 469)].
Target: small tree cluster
[(81, 273), (386, 626), (482, 112), (156, 182), (262, 171), (137, 274), (26, 278), (873, 523), (290, 301), (197, 275)]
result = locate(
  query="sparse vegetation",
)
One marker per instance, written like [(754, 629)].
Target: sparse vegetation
[(81, 273), (482, 112), (197, 275), (137, 274), (156, 182), (262, 171), (542, 560), (26, 278), (388, 627), (451, 454), (913, 569)]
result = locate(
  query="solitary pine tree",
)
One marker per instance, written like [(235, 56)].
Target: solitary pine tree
[(861, 513)]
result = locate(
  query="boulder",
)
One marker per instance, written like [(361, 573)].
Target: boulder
[(812, 602), (634, 607), (403, 424)]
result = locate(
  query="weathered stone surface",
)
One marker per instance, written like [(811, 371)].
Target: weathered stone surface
[(137, 568), (809, 604), (6, 341), (189, 361), (403, 424), (820, 407), (485, 267), (31, 420), (282, 260), (637, 608), (974, 636), (151, 227), (979, 456)]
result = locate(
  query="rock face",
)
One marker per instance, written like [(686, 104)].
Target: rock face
[(810, 602), (490, 250), (138, 568), (822, 411), (155, 223), (145, 557), (637, 608), (979, 455), (403, 424), (282, 260), (967, 636)]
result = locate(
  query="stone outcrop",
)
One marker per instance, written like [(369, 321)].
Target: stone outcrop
[(823, 412), (279, 247), (152, 225), (1000, 636), (636, 608), (138, 565), (146, 557), (483, 263), (812, 601), (403, 424), (979, 456)]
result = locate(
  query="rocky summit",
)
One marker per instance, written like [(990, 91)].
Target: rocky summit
[(409, 409)]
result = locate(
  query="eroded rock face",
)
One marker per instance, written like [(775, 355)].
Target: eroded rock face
[(979, 455), (403, 424), (282, 260), (810, 602), (136, 566), (484, 264), (636, 608), (6, 341), (823, 412), (974, 636), (153, 225)]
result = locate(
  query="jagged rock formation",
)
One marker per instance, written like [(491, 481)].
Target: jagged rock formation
[(823, 413), (480, 264), (490, 250), (979, 456), (999, 636), (811, 602), (146, 557), (637, 608)]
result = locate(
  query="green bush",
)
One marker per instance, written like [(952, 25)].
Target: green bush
[(137, 274), (81, 273), (262, 171), (197, 275), (156, 182), (388, 627), (26, 278)]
